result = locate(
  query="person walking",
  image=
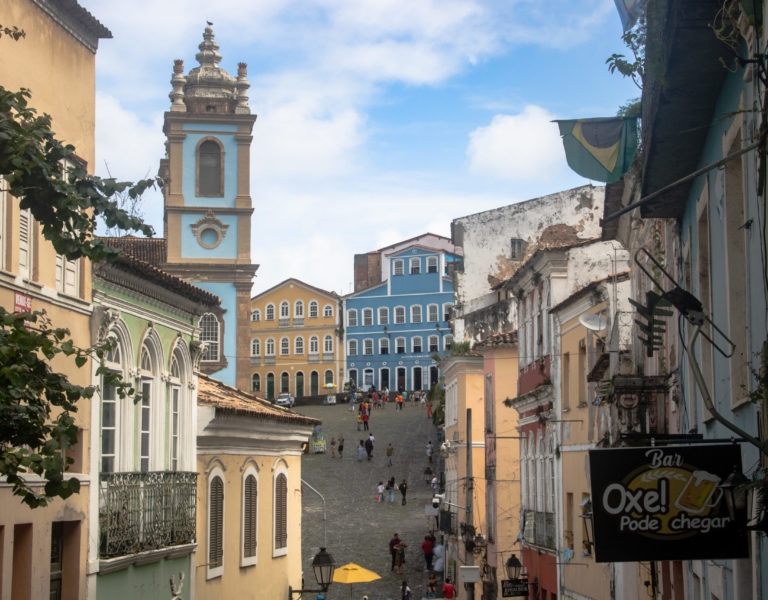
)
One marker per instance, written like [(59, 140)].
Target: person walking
[(390, 451), (360, 451), (403, 487), (430, 450), (366, 416), (392, 543), (449, 590), (405, 591), (400, 556), (369, 448), (341, 445), (429, 410), (380, 492), (333, 447), (359, 421), (426, 547), (391, 486), (352, 401)]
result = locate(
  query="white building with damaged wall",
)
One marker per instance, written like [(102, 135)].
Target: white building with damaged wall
[(496, 243)]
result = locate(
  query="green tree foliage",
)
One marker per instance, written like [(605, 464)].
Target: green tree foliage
[(37, 403), (633, 67)]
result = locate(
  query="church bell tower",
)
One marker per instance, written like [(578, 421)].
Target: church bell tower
[(208, 206)]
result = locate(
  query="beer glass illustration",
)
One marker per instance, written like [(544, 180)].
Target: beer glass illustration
[(699, 493)]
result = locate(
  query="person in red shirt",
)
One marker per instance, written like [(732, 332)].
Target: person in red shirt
[(449, 590), (426, 547)]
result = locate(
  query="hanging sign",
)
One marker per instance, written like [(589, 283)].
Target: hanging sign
[(663, 503), (514, 588)]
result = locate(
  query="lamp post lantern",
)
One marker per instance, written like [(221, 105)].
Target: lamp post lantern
[(323, 566)]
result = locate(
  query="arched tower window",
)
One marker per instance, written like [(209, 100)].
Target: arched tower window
[(210, 169), (209, 333)]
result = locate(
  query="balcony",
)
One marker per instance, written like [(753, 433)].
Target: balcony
[(146, 511), (539, 529)]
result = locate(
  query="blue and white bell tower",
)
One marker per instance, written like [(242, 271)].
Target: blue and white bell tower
[(208, 204)]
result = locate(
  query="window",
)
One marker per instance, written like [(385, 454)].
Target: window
[(250, 518), (281, 514), (26, 229), (285, 383), (352, 318), (447, 311), (367, 317), (432, 264), (256, 315), (415, 313), (216, 525), (175, 416), (368, 346), (285, 346), (328, 311), (447, 342), (256, 383), (209, 333), (352, 347), (270, 349), (270, 312), (67, 276), (328, 376), (415, 266), (255, 347), (313, 309), (3, 222), (328, 344), (432, 313), (416, 344), (397, 267), (209, 169), (383, 346), (298, 309), (146, 372), (383, 316), (400, 345), (284, 310), (314, 345), (516, 249), (399, 315), (433, 344), (298, 345)]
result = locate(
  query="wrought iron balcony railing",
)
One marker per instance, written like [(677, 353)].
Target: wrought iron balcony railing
[(146, 511)]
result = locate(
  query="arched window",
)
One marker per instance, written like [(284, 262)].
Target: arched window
[(298, 345), (256, 383), (399, 315), (270, 312), (281, 514), (352, 318), (250, 518), (433, 344), (328, 344), (147, 388), (351, 347), (298, 309), (400, 345), (432, 313), (314, 345), (397, 267), (313, 309), (284, 309), (328, 310), (329, 376), (255, 347), (210, 170), (416, 313), (432, 264), (415, 266), (367, 346), (270, 349), (256, 315), (110, 414), (448, 341), (416, 344), (177, 407), (209, 333), (367, 317), (383, 345), (383, 316), (447, 311), (285, 346), (215, 526)]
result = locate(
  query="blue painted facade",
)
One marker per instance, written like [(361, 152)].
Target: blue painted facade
[(393, 330)]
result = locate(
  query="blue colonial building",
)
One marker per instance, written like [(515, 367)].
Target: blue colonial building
[(396, 330)]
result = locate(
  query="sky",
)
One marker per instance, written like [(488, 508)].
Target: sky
[(378, 120)]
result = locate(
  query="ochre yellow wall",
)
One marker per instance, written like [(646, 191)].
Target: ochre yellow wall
[(269, 578)]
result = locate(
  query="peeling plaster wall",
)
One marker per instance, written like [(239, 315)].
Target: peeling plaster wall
[(485, 238)]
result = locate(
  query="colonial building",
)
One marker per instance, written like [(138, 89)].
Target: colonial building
[(208, 203), (43, 551), (395, 330), (142, 453), (295, 341)]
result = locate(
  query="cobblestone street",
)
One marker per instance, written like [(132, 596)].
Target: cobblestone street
[(358, 527)]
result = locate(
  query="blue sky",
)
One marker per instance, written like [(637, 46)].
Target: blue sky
[(377, 119)]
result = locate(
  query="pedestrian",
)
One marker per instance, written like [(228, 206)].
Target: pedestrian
[(400, 555), (391, 486), (429, 410), (359, 422), (352, 401), (405, 591), (341, 445), (360, 451), (333, 447), (413, 399), (392, 543), (376, 402), (390, 451), (426, 547), (369, 448), (431, 585), (448, 588), (403, 487), (380, 492), (365, 421), (434, 484), (430, 450)]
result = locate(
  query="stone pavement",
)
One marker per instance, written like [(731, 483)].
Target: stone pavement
[(359, 528)]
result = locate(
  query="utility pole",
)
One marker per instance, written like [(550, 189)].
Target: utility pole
[(468, 555)]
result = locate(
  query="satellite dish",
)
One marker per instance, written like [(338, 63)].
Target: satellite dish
[(593, 322)]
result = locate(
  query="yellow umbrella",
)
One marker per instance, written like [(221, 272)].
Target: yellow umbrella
[(352, 573)]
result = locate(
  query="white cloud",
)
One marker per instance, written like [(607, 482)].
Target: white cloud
[(524, 146)]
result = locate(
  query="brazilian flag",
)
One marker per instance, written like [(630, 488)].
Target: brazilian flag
[(600, 149)]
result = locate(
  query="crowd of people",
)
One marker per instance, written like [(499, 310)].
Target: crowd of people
[(433, 562)]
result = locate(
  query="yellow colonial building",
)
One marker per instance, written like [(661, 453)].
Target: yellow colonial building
[(43, 551), (249, 494), (295, 341)]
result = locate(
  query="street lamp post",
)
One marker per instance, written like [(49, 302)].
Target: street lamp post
[(323, 566)]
